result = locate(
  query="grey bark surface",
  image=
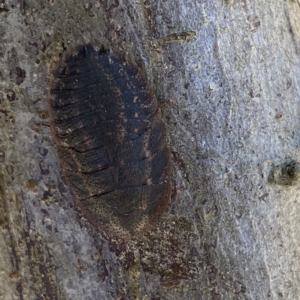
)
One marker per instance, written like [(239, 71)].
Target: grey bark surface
[(232, 71)]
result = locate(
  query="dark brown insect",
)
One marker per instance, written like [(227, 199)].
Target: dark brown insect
[(111, 141)]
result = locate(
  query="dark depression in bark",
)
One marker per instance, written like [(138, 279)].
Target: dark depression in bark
[(111, 141)]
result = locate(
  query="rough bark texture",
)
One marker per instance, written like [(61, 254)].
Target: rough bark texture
[(231, 69)]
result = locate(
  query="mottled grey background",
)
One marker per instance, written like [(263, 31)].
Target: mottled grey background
[(231, 70)]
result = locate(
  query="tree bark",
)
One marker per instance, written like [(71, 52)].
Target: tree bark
[(231, 70)]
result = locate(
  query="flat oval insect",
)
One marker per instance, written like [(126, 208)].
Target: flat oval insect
[(111, 141)]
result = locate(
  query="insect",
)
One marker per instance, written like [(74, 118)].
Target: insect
[(111, 141)]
